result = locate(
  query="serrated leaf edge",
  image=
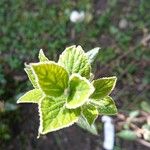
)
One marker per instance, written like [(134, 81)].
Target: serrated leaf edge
[(90, 92), (40, 118), (96, 103), (75, 47), (84, 53), (42, 53), (115, 81), (52, 129), (86, 118), (61, 55), (18, 101), (36, 77), (25, 69)]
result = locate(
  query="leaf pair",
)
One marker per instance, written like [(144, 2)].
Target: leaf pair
[(64, 93), (100, 102)]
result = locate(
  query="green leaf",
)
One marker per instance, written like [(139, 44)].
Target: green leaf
[(52, 78), (82, 122), (103, 87), (133, 114), (105, 106), (146, 132), (33, 96), (92, 54), (31, 76), (75, 60), (127, 135), (42, 56), (90, 113), (79, 92), (54, 115)]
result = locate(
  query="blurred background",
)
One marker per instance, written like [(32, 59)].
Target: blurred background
[(120, 27)]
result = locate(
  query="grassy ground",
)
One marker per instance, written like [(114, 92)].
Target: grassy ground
[(119, 27)]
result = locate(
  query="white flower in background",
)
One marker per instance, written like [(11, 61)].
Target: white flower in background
[(77, 16), (123, 24), (109, 133)]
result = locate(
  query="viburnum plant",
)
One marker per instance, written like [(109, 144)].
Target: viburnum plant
[(66, 92)]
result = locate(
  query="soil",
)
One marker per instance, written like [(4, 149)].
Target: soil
[(72, 138)]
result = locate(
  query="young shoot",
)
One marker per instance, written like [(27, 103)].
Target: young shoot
[(66, 92)]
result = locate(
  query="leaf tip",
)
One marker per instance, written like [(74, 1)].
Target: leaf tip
[(41, 51), (18, 101)]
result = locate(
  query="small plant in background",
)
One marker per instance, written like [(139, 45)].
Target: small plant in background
[(136, 124), (5, 133), (66, 92)]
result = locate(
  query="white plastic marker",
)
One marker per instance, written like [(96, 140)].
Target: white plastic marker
[(109, 133), (77, 16)]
